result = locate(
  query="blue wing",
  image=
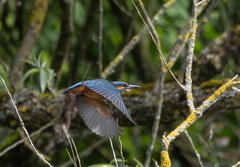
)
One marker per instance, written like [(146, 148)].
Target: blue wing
[(76, 85), (110, 92), (94, 117), (76, 89)]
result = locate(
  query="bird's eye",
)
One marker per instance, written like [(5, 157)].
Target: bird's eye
[(125, 85)]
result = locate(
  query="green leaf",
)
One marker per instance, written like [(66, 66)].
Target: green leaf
[(50, 74), (27, 74), (39, 60), (43, 64), (29, 61), (43, 80)]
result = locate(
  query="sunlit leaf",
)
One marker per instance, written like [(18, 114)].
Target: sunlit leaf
[(39, 60), (43, 80), (43, 64), (50, 79)]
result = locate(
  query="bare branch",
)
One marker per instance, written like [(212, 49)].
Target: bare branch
[(76, 163), (148, 23), (85, 152), (153, 33)]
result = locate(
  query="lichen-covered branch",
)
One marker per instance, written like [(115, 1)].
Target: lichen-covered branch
[(195, 115), (189, 59)]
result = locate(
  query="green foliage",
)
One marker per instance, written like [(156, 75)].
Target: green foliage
[(41, 70)]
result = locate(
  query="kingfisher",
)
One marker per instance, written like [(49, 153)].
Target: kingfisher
[(91, 97)]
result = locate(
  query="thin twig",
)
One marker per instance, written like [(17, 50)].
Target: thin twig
[(76, 152), (85, 152), (194, 148), (114, 155), (73, 148), (74, 163), (134, 40), (121, 151), (156, 121), (73, 159), (206, 15), (100, 66), (157, 44), (150, 27), (122, 8), (40, 156)]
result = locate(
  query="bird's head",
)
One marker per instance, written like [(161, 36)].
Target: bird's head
[(122, 86)]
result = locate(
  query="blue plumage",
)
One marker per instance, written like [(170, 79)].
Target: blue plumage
[(92, 107)]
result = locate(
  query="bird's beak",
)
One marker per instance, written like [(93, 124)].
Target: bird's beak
[(133, 86)]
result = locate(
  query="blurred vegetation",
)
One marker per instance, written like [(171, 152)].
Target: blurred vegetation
[(53, 64)]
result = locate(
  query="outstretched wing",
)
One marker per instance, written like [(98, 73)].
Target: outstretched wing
[(97, 117), (107, 90)]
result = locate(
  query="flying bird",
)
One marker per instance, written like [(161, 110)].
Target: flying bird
[(91, 98)]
